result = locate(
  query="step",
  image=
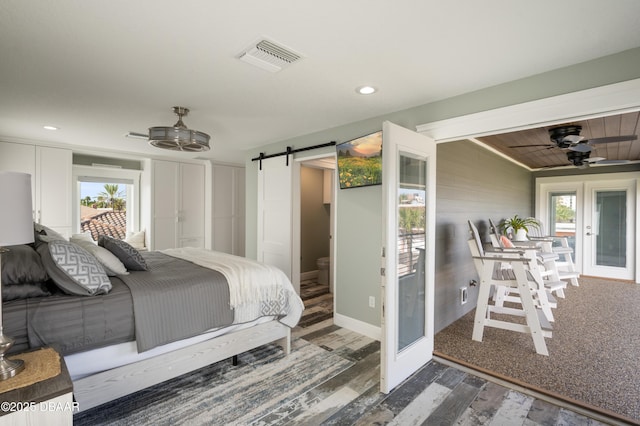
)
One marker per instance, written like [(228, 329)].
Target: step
[(544, 322), (555, 285)]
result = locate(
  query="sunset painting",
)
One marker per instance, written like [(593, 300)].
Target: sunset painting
[(360, 161)]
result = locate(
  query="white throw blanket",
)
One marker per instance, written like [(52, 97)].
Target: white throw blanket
[(255, 289)]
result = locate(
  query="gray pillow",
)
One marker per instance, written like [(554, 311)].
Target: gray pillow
[(109, 261), (22, 265), (24, 291), (46, 234), (73, 269), (129, 256)]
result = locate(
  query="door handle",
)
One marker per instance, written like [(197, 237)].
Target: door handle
[(588, 233)]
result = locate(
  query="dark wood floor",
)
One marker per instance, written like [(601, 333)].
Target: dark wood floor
[(438, 394)]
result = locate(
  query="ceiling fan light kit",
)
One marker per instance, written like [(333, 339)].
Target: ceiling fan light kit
[(179, 137)]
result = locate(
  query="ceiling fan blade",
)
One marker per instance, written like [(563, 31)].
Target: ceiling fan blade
[(528, 146), (573, 138), (594, 159), (581, 147), (612, 161), (610, 139), (136, 135)]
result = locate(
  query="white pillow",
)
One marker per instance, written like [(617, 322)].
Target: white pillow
[(135, 240), (108, 260), (85, 236)]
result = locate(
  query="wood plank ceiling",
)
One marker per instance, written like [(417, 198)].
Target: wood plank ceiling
[(535, 149)]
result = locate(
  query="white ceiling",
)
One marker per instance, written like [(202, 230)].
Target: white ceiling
[(99, 69)]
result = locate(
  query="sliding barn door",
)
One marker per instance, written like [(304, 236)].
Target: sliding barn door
[(274, 213)]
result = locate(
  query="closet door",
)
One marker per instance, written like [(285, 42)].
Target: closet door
[(228, 209), (165, 206), (191, 213), (223, 206), (53, 188), (50, 170)]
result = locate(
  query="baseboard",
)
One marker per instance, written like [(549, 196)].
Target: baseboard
[(358, 326), (309, 275)]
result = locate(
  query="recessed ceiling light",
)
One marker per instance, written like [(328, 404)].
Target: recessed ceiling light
[(51, 127), (366, 90)]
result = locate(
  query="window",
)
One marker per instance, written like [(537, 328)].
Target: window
[(563, 216), (106, 201)]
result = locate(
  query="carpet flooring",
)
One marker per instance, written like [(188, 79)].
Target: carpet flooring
[(593, 354)]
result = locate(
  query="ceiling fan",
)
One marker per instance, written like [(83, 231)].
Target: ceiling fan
[(579, 148), (569, 137)]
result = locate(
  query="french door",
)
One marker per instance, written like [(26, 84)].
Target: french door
[(602, 230), (609, 229), (408, 169)]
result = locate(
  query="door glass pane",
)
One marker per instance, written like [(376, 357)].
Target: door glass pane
[(563, 216), (610, 226), (411, 249)]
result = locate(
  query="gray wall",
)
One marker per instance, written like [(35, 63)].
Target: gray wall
[(314, 220), (358, 252), (468, 187), (356, 274)]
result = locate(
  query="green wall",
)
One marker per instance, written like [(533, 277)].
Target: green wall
[(357, 274)]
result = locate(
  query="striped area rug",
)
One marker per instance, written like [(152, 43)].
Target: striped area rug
[(223, 394)]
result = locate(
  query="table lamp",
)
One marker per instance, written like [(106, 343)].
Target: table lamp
[(16, 227)]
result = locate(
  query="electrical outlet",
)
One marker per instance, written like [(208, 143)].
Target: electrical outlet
[(463, 295), (372, 302)]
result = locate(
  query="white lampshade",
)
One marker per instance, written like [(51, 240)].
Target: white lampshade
[(16, 214)]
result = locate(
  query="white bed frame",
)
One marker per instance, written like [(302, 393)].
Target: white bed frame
[(105, 386)]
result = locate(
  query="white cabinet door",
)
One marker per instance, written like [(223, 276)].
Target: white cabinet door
[(223, 209), (228, 209), (16, 157), (53, 188), (165, 207), (51, 180), (191, 205), (178, 204)]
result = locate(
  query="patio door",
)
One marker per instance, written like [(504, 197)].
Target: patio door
[(598, 215), (609, 229), (408, 169)]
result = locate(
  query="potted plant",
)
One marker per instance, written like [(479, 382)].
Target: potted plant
[(519, 226)]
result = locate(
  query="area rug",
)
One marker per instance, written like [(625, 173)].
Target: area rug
[(593, 354), (263, 380)]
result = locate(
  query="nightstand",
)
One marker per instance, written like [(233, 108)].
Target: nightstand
[(49, 401)]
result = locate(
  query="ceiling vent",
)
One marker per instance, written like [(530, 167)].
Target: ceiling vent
[(269, 56)]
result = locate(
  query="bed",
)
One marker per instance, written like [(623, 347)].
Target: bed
[(125, 320)]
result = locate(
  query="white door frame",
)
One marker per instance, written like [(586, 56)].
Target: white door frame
[(590, 266), (295, 223), (580, 184)]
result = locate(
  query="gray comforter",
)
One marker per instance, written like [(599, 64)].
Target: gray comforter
[(175, 299)]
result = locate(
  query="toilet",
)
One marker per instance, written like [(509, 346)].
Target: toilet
[(323, 270)]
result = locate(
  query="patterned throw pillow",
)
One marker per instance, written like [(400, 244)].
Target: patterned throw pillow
[(73, 269), (129, 256), (109, 261)]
